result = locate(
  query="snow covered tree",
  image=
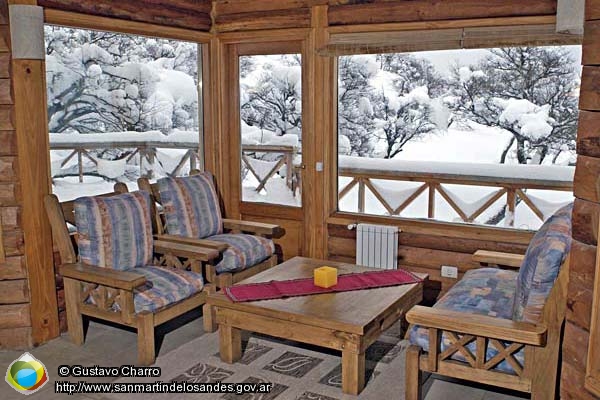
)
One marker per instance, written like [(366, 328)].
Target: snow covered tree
[(355, 98), (104, 81), (412, 72), (274, 101), (527, 91), (400, 119)]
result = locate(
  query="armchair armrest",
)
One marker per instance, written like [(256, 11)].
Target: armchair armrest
[(207, 244), (103, 276), (478, 325), (498, 258), (258, 228), (185, 250)]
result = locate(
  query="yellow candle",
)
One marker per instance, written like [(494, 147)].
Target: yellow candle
[(325, 277)]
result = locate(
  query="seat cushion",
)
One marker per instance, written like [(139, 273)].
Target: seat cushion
[(543, 259), (244, 251), (164, 286), (191, 206), (483, 291), (114, 232)]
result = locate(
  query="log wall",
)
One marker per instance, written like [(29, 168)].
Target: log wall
[(15, 309), (425, 249), (585, 217)]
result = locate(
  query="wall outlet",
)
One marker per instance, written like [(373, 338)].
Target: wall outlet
[(449, 271)]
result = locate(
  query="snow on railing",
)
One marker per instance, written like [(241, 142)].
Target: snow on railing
[(432, 177), (142, 144)]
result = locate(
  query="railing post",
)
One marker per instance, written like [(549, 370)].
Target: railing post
[(431, 201), (361, 195), (80, 164), (511, 204), (289, 167)]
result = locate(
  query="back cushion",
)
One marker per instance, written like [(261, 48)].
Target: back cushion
[(191, 206), (546, 252), (115, 232)]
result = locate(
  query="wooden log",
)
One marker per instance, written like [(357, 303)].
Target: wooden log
[(13, 268), (4, 38), (572, 381), (438, 228), (293, 18), (16, 339), (223, 7), (438, 242), (585, 221), (14, 292), (588, 134), (575, 346), (581, 278), (380, 11), (580, 300), (589, 96), (5, 91), (9, 143), (10, 216), (4, 65), (587, 179), (14, 316), (3, 12), (8, 169), (592, 10), (191, 14), (591, 43), (13, 242), (10, 194), (32, 141)]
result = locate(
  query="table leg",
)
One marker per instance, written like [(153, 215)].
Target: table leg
[(353, 372), (230, 343)]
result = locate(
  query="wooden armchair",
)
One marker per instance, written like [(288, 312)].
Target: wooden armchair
[(245, 247), (495, 326), (140, 296)]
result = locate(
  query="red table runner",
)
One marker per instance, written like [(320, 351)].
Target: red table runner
[(305, 286)]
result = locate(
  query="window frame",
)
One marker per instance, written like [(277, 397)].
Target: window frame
[(201, 39), (356, 41)]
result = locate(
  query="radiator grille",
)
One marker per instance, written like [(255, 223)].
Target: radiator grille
[(377, 246)]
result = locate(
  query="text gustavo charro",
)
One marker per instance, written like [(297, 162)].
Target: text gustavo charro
[(98, 371)]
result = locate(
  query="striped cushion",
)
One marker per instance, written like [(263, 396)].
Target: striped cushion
[(165, 286), (114, 232), (545, 254), (191, 206), (244, 251)]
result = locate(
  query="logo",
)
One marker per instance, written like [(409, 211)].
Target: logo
[(26, 374)]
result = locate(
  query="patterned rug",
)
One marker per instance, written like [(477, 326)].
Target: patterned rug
[(297, 371)]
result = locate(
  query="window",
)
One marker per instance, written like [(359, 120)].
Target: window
[(119, 107), (483, 136), (271, 128)]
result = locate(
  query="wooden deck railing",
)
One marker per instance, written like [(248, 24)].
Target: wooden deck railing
[(288, 153), (514, 187), (145, 149)]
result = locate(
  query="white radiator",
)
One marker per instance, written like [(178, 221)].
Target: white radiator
[(377, 246)]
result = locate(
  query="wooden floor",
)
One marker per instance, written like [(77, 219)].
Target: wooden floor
[(109, 346)]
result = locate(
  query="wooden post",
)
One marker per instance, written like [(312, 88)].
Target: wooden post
[(431, 202), (318, 78), (31, 124)]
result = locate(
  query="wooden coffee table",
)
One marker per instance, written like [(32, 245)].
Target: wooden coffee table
[(345, 321)]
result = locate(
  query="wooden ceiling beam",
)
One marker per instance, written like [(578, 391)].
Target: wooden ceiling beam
[(189, 14), (345, 12)]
